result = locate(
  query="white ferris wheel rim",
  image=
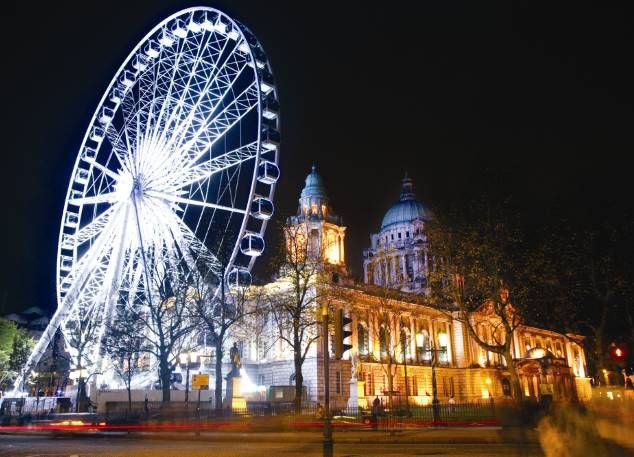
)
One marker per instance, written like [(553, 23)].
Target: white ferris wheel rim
[(136, 50), (261, 89)]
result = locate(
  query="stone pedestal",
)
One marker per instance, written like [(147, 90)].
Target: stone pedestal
[(234, 398), (357, 395)]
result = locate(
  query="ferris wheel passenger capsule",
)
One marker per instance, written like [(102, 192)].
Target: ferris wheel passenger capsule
[(262, 208), (106, 115), (252, 244), (270, 138), (97, 134), (270, 108), (116, 95), (195, 21), (71, 220), (232, 33), (166, 38), (243, 48), (179, 29), (239, 277), (66, 263), (127, 79), (268, 172), (220, 26), (208, 20), (89, 154), (260, 57), (140, 62), (82, 176), (266, 81), (68, 241), (152, 49)]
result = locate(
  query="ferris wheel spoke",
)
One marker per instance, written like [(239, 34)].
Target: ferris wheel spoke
[(96, 226), (109, 197), (180, 101), (190, 201), (120, 146), (206, 169), (196, 147), (189, 240), (228, 74), (218, 87), (106, 171)]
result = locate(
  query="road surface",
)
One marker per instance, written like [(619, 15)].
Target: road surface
[(41, 446)]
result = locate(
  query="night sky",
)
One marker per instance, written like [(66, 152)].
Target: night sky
[(534, 102)]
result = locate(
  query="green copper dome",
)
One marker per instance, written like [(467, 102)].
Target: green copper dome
[(314, 186), (407, 209)]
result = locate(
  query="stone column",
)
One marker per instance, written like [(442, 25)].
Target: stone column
[(426, 264), (415, 266), (366, 277), (412, 343)]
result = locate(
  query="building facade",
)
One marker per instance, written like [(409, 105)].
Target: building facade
[(395, 337)]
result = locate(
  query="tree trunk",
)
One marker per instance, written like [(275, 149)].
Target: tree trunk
[(81, 395), (165, 377), (390, 386), (516, 385), (218, 368), (598, 354), (129, 399), (299, 381)]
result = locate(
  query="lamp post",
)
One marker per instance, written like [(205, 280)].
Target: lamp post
[(404, 347), (435, 406), (327, 442)]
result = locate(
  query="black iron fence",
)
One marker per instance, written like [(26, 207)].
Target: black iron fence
[(312, 414)]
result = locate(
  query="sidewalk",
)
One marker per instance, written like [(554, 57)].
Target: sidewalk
[(454, 435)]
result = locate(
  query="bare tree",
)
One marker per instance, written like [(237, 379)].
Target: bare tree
[(388, 325), (124, 342), (302, 285), (220, 309), (168, 319), (479, 275), (588, 283), (82, 336)]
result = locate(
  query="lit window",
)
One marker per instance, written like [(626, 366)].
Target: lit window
[(323, 209), (313, 208), (363, 338)]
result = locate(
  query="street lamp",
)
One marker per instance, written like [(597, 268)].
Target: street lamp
[(404, 350), (435, 406)]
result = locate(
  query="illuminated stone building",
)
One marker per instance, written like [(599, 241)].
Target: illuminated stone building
[(402, 329)]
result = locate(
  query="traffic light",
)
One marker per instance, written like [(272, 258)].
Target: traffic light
[(618, 353), (341, 333)]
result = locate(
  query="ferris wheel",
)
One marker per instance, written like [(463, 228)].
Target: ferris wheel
[(178, 162)]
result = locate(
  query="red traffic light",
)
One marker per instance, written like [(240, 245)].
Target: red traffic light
[(618, 353)]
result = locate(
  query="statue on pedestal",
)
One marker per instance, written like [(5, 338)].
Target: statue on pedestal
[(236, 362), (355, 366)]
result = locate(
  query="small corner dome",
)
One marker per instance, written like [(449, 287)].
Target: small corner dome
[(314, 186), (406, 209)]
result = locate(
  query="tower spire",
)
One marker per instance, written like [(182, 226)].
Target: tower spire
[(407, 189)]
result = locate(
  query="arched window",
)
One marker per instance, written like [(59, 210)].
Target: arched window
[(384, 340), (362, 338), (506, 387), (405, 342), (423, 344)]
